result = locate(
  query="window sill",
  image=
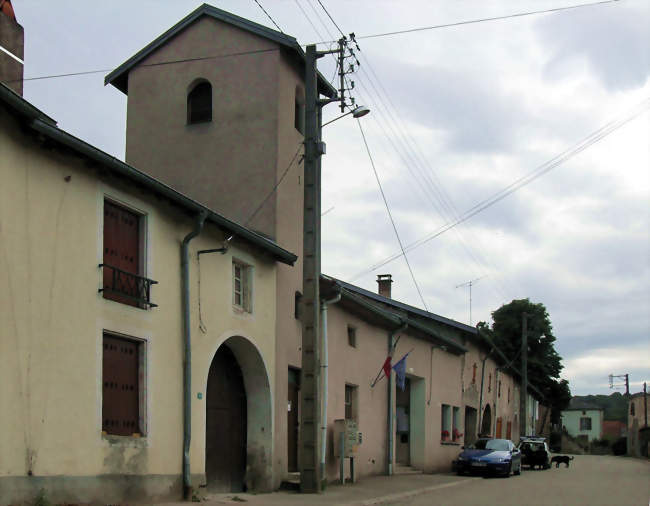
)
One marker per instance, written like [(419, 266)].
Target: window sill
[(135, 441), (449, 443)]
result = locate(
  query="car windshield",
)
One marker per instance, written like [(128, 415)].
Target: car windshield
[(491, 444)]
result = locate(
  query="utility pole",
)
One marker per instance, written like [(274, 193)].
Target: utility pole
[(310, 404), (625, 377), (645, 404), (523, 394), (470, 284)]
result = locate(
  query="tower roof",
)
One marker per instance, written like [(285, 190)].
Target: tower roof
[(119, 76)]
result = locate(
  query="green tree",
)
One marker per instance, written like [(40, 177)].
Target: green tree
[(544, 363)]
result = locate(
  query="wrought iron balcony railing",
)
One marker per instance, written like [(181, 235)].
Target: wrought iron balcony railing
[(126, 287)]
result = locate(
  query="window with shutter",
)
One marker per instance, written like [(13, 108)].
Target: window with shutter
[(121, 414)]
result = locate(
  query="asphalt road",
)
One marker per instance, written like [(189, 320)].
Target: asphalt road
[(590, 480)]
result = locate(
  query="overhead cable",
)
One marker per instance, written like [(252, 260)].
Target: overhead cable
[(268, 15), (390, 215), (167, 62), (521, 182), (473, 21)]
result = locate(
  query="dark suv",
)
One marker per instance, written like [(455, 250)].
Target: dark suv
[(534, 452)]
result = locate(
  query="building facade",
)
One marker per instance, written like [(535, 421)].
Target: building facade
[(638, 434), (583, 420), (92, 328)]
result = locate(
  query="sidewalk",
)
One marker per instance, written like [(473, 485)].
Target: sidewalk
[(368, 491)]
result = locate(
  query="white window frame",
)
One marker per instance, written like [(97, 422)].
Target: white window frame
[(245, 291)]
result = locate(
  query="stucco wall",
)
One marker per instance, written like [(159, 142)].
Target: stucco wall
[(571, 421), (230, 162), (52, 318)]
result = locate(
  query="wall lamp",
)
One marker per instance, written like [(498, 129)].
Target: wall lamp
[(357, 112)]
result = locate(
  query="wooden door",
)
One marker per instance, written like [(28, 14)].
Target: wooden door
[(225, 441), (509, 430), (498, 432), (293, 420)]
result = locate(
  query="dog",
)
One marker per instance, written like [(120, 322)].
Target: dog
[(558, 459)]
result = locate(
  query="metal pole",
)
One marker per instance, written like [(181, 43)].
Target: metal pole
[(523, 394), (645, 403), (187, 355), (310, 403), (342, 457)]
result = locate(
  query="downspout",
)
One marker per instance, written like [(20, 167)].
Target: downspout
[(496, 402), (187, 357), (324, 363), (391, 398)]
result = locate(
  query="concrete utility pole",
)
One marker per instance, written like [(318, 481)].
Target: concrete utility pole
[(309, 458), (523, 394), (645, 403)]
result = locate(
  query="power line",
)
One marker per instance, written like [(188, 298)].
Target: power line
[(275, 187), (331, 19), (268, 15), (168, 62), (521, 182), (473, 21), (383, 196)]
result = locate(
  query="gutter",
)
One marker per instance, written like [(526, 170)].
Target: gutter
[(42, 126), (187, 359), (324, 369)]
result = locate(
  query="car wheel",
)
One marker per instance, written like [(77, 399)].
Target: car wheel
[(518, 471), (507, 475)]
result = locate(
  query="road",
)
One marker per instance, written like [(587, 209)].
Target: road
[(590, 480)]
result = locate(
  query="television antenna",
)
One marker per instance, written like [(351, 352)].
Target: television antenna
[(470, 284)]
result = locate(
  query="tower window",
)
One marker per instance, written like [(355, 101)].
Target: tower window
[(199, 103)]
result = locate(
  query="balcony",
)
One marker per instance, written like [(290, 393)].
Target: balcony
[(126, 287)]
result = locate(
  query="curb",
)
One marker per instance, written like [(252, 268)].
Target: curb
[(405, 495)]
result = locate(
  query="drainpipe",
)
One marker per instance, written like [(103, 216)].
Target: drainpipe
[(187, 358), (496, 402), (391, 398), (324, 362)]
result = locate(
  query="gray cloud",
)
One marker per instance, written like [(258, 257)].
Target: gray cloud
[(614, 40)]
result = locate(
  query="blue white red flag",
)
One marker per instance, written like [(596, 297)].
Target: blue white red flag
[(400, 371)]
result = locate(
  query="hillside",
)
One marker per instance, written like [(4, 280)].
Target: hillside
[(615, 405)]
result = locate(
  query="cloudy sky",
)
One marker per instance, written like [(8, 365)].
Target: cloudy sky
[(458, 114)]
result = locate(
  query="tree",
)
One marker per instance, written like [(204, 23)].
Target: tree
[(544, 363)]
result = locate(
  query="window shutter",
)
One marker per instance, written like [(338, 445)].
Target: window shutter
[(121, 386)]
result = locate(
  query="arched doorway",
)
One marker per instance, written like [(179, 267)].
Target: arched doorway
[(225, 424), (486, 423), (238, 424)]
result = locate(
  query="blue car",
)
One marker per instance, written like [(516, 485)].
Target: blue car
[(497, 456)]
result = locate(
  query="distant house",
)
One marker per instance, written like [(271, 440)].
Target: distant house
[(583, 420), (637, 422)]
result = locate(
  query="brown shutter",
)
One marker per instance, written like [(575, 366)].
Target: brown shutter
[(121, 388), (121, 249)]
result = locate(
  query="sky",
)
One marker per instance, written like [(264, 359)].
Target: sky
[(458, 114)]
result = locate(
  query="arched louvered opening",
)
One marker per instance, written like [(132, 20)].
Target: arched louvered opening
[(199, 103)]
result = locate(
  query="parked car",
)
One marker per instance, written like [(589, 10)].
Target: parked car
[(499, 456), (535, 452)]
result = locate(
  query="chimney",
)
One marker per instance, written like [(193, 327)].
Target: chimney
[(384, 281), (12, 48)]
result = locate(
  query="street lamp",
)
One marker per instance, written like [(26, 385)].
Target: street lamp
[(357, 112)]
